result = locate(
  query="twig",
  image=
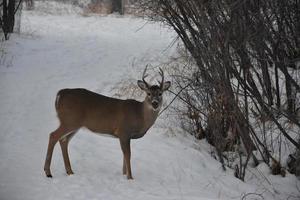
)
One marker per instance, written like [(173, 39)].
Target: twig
[(255, 194), (176, 95), (140, 28), (18, 7), (171, 44)]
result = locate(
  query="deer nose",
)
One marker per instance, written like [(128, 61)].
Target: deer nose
[(155, 104)]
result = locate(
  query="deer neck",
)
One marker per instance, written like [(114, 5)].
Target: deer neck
[(149, 115)]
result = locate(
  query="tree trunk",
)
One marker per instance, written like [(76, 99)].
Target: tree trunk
[(8, 17)]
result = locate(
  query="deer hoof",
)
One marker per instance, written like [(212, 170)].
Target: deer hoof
[(49, 175), (70, 172), (129, 178)]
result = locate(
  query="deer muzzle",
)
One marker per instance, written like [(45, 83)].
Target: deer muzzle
[(155, 104)]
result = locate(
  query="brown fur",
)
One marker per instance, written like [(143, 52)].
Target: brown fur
[(123, 119)]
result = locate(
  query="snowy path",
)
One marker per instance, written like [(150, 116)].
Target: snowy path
[(55, 52)]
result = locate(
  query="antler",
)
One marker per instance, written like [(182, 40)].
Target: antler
[(145, 75), (161, 72)]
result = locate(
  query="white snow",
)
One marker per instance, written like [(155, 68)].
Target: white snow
[(67, 51)]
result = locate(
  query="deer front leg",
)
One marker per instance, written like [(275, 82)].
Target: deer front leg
[(124, 166), (125, 145)]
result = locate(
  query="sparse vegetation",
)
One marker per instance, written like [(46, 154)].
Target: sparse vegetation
[(240, 62)]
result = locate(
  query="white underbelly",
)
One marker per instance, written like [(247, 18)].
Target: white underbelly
[(105, 135)]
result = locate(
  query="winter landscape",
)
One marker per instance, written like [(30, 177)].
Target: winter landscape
[(59, 47)]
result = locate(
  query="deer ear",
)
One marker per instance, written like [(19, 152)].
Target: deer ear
[(142, 85), (166, 85)]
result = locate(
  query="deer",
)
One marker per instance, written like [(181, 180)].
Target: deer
[(122, 119)]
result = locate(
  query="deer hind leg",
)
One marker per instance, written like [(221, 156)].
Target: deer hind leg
[(64, 149), (125, 145), (53, 138)]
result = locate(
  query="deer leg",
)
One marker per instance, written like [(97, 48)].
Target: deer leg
[(64, 149), (124, 166), (125, 145), (53, 138)]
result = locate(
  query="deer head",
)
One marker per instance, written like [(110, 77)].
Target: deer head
[(154, 92)]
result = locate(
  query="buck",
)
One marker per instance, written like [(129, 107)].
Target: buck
[(122, 119)]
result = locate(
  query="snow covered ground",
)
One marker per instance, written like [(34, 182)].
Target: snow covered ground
[(60, 51)]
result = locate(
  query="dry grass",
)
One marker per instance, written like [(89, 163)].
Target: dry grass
[(127, 89)]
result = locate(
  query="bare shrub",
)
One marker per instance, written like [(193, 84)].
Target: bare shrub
[(243, 52)]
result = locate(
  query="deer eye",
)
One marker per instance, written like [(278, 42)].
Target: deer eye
[(148, 93)]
